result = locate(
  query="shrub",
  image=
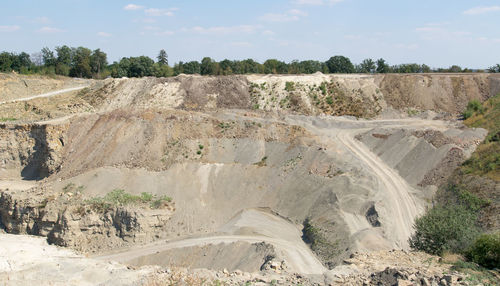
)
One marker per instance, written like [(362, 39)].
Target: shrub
[(486, 251), (451, 228), (156, 204), (472, 107), (119, 197), (289, 86), (329, 100), (5, 119)]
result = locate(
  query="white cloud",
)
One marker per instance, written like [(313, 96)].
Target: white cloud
[(12, 28), (481, 10), (297, 12), (151, 28), (288, 16), (223, 30), (133, 7), (353, 37), (42, 20), (241, 44), (104, 34), (317, 2), (406, 46), (165, 33), (267, 33), (49, 30), (428, 29), (156, 12)]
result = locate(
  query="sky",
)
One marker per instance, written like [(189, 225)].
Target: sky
[(439, 33)]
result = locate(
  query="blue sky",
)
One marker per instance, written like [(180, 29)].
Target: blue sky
[(438, 33)]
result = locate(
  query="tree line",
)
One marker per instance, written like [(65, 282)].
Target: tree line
[(86, 63)]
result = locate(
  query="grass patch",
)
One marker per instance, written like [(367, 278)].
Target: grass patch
[(290, 86), (119, 197), (476, 273), (329, 100), (6, 119), (486, 160), (313, 236), (71, 187)]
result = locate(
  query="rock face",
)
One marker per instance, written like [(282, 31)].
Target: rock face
[(66, 220), (356, 95), (31, 150)]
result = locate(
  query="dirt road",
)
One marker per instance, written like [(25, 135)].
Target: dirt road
[(48, 94), (298, 257), (396, 198)]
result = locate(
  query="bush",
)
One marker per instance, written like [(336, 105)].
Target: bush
[(451, 228), (486, 251), (472, 107), (119, 197)]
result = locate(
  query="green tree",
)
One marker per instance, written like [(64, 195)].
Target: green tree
[(64, 55), (192, 67), (367, 66), (5, 62), (226, 67), (80, 66), (494, 69), (98, 61), (274, 66), (382, 66), (161, 70), (426, 69), (455, 68), (340, 64), (140, 66), (208, 66), (309, 67), (48, 57), (162, 57)]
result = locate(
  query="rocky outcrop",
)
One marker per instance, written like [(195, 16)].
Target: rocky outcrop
[(67, 219), (33, 150), (354, 94)]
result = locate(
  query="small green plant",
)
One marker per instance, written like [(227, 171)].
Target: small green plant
[(290, 86), (262, 162), (329, 100), (146, 197), (323, 89), (69, 187), (475, 273), (256, 106), (5, 119), (201, 146), (158, 203), (198, 152), (223, 125), (412, 112), (473, 107), (119, 197)]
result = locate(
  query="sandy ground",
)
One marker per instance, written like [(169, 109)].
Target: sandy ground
[(27, 260)]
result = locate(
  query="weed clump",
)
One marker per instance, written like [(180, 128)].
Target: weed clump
[(119, 197)]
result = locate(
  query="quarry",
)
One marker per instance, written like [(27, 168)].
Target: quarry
[(237, 180)]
